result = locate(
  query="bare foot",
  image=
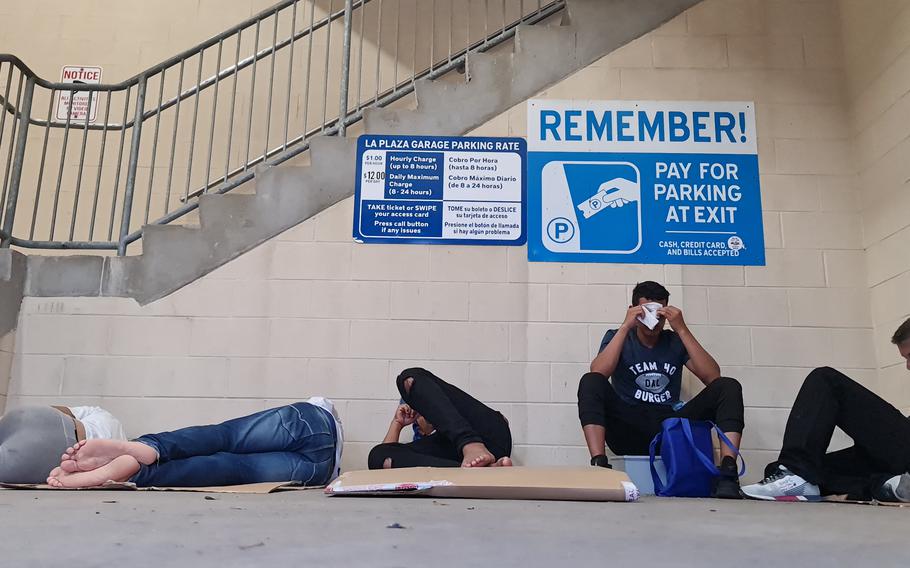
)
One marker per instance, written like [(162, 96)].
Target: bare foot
[(68, 461), (476, 454), (70, 451), (504, 461), (119, 469), (92, 454)]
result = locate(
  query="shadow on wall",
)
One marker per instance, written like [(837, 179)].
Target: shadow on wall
[(12, 285)]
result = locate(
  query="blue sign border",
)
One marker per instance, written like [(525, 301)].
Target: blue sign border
[(522, 152), (622, 153)]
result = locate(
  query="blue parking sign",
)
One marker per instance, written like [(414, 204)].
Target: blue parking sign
[(643, 182)]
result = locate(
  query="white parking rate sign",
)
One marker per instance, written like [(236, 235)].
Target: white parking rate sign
[(75, 105)]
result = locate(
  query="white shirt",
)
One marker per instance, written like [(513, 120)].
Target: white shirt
[(98, 422), (328, 405)]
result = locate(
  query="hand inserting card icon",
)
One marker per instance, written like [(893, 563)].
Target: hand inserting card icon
[(611, 194), (591, 206)]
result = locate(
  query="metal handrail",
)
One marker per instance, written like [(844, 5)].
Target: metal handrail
[(223, 164), (392, 95), (186, 54), (134, 81)]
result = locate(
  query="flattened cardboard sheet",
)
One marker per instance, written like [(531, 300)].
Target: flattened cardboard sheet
[(551, 483), (251, 489)]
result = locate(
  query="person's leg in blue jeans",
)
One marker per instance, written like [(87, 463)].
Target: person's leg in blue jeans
[(290, 443), (225, 468), (287, 428)]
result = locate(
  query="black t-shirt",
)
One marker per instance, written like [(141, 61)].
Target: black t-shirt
[(646, 375)]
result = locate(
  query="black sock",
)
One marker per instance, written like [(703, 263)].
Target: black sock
[(601, 461)]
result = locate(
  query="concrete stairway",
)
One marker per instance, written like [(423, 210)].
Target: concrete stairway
[(174, 256)]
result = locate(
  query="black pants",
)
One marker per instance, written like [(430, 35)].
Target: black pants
[(459, 419), (881, 434), (631, 427)]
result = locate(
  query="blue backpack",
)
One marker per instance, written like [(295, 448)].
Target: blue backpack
[(688, 456)]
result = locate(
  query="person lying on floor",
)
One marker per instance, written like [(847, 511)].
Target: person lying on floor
[(876, 466), (300, 442), (33, 437), (455, 428), (644, 364)]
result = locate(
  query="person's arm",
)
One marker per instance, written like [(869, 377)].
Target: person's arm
[(394, 433), (606, 361), (700, 362), (404, 416)]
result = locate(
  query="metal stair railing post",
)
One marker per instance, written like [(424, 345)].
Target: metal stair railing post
[(345, 68), (132, 167), (12, 197)]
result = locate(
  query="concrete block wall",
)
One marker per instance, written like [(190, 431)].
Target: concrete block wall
[(877, 61), (311, 312)]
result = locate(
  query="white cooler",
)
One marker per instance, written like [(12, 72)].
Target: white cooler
[(638, 468)]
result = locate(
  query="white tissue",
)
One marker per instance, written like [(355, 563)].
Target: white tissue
[(650, 317)]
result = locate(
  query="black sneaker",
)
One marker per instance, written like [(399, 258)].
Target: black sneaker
[(726, 488), (726, 485), (601, 461)]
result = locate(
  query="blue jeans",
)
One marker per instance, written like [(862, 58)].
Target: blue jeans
[(290, 443)]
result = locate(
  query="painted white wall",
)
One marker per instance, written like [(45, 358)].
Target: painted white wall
[(877, 61), (310, 312)]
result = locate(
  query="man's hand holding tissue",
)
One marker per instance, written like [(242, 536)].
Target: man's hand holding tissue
[(606, 360), (700, 362), (632, 315), (674, 317)]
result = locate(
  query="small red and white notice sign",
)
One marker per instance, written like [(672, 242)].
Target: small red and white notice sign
[(78, 100)]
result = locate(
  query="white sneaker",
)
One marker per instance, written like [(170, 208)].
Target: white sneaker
[(896, 489), (782, 485)]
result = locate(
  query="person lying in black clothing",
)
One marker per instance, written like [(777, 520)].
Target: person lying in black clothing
[(457, 429), (876, 466)]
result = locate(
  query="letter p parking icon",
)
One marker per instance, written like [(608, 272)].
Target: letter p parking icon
[(560, 230)]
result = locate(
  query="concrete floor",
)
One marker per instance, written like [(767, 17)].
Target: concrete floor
[(138, 529)]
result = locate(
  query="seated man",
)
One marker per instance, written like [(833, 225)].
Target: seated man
[(875, 466), (299, 442), (644, 363), (33, 437), (458, 429)]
